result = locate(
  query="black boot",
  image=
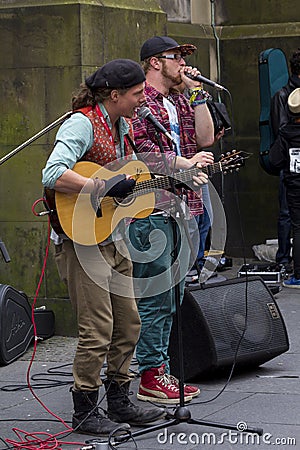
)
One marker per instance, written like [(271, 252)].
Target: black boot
[(87, 418), (120, 408)]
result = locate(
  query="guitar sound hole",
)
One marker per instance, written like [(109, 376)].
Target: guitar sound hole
[(124, 201)]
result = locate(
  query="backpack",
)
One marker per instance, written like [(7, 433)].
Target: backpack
[(219, 116)]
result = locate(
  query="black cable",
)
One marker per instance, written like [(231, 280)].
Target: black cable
[(130, 438), (246, 304), (5, 443), (241, 230), (35, 377)]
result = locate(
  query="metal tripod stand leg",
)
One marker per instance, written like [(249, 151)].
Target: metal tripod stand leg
[(182, 414)]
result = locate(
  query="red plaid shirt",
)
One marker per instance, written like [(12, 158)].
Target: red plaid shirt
[(146, 142)]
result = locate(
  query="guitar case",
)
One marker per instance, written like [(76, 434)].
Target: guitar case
[(273, 75)]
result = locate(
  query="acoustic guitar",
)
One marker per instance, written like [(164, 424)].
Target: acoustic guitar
[(76, 215)]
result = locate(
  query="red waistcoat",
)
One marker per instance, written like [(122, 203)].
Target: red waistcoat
[(103, 150)]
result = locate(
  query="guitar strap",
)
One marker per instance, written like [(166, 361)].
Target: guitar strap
[(128, 139)]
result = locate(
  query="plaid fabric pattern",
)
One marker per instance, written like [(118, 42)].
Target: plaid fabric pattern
[(146, 142)]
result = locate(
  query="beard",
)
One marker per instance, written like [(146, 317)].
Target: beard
[(165, 72)]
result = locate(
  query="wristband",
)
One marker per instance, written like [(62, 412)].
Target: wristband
[(198, 94), (198, 102), (195, 93)]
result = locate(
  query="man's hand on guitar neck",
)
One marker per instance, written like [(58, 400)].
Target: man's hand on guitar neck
[(200, 159)]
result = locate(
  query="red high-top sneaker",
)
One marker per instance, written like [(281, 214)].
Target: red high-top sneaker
[(194, 391), (156, 386)]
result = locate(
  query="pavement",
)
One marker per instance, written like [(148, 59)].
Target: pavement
[(256, 408)]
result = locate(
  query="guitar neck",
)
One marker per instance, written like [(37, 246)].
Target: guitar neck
[(163, 182)]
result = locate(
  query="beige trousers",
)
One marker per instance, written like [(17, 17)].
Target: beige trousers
[(99, 281)]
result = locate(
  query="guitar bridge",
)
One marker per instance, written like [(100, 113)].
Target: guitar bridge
[(99, 212), (96, 204)]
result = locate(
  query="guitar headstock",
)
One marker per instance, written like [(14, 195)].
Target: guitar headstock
[(233, 160)]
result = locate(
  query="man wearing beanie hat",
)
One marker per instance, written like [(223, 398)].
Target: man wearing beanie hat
[(190, 124), (107, 316), (285, 155)]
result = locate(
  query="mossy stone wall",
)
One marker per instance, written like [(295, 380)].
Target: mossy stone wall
[(47, 49)]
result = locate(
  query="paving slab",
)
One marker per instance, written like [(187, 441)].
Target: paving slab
[(265, 397)]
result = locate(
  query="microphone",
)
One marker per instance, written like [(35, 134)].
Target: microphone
[(205, 81), (145, 113)]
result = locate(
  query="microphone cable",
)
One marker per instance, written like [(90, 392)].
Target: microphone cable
[(39, 440), (232, 368)]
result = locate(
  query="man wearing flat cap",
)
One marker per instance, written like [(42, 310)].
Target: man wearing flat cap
[(285, 155), (107, 316), (189, 123)]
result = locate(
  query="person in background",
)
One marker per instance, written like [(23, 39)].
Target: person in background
[(279, 118), (107, 315), (204, 220), (285, 155), (190, 124)]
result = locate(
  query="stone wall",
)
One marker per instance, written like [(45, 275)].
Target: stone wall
[(230, 36), (47, 48)]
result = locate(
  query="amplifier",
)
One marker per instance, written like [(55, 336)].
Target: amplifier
[(16, 328), (270, 273)]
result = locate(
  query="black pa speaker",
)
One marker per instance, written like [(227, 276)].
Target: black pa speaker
[(214, 318), (16, 328)]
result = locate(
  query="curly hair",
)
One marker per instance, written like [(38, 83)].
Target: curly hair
[(146, 63), (84, 96), (295, 62)]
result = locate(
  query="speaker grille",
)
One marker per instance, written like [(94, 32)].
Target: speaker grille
[(16, 328), (229, 309), (216, 316)]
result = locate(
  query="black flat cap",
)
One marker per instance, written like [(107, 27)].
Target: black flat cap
[(118, 73)]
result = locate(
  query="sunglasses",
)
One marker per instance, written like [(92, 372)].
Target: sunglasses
[(176, 56)]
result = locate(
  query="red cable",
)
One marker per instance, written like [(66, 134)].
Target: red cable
[(32, 441), (37, 443)]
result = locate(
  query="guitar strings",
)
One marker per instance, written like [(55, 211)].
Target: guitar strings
[(163, 182)]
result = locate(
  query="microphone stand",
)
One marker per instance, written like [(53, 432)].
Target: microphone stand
[(45, 130), (4, 252), (36, 136), (182, 413)]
